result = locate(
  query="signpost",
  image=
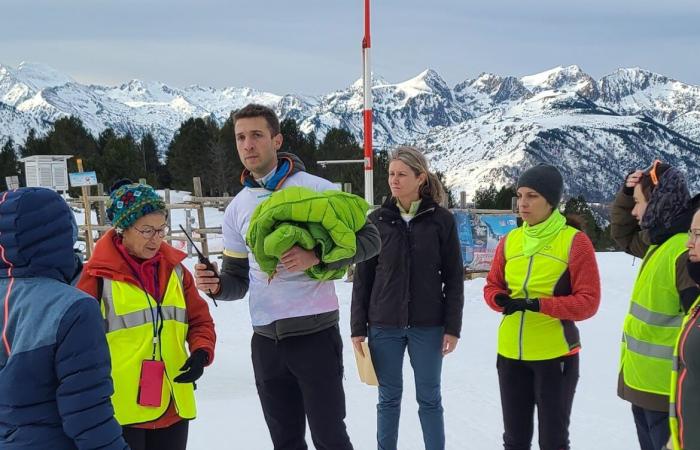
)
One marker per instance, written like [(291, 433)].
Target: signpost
[(79, 179), (84, 180)]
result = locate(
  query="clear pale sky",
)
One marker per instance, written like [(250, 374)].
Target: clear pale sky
[(313, 46)]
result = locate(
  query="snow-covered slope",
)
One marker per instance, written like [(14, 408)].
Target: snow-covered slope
[(483, 130), (592, 146)]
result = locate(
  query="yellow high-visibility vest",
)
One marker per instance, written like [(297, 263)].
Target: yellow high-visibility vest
[(528, 335), (129, 321), (654, 319)]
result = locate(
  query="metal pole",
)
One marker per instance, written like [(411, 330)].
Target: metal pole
[(367, 112)]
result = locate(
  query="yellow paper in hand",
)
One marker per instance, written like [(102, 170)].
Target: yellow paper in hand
[(365, 368)]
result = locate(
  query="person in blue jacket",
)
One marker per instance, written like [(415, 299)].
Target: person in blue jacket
[(55, 383)]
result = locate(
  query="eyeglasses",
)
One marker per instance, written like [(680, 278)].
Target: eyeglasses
[(693, 235), (651, 170), (149, 232)]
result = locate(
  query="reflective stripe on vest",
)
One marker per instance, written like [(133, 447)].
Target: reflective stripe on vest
[(129, 327), (529, 335), (651, 327)]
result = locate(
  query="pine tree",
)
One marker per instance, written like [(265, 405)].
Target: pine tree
[(577, 206), (152, 165), (70, 137), (296, 142), (504, 197), (35, 145), (229, 154), (485, 198), (9, 164), (380, 180), (189, 153), (121, 158), (340, 144), (449, 196)]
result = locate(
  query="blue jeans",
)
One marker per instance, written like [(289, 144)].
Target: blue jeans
[(387, 346)]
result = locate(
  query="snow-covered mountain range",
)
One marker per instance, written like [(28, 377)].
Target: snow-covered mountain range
[(482, 130)]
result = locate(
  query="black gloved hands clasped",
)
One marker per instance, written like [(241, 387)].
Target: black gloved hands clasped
[(511, 305), (194, 367)]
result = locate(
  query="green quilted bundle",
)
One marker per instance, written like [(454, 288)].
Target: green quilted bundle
[(309, 219)]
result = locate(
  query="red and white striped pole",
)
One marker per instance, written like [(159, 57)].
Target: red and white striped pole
[(367, 112)]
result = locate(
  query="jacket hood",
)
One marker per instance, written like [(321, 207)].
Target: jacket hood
[(679, 224), (37, 234), (669, 201)]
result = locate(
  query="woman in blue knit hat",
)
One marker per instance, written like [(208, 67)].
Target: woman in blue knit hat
[(543, 279), (159, 330)]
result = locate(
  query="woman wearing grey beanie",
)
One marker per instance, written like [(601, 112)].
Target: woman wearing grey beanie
[(544, 277)]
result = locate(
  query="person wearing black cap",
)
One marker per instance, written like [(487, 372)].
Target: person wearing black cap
[(650, 219), (544, 277)]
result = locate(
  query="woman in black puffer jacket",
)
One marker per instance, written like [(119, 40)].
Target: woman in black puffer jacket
[(410, 296)]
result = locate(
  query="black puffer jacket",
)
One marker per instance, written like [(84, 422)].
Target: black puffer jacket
[(417, 278)]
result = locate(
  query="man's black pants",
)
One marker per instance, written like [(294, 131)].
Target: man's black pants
[(550, 385), (300, 378)]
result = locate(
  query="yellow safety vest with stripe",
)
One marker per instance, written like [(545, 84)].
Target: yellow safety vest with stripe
[(675, 416), (528, 335), (651, 327), (129, 321)]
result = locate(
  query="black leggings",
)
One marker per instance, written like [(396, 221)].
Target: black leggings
[(548, 385), (173, 437)]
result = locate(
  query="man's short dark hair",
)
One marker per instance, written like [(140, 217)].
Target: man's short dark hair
[(255, 110)]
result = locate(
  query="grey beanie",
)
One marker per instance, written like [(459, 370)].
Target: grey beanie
[(546, 180)]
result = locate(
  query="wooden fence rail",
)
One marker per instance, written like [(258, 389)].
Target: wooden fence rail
[(196, 202)]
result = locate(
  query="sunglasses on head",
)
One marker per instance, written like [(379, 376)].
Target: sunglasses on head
[(651, 170)]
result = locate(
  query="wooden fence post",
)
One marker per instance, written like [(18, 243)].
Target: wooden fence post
[(166, 196), (101, 209), (86, 205), (197, 182)]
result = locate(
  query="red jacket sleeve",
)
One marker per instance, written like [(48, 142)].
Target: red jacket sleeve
[(496, 279), (201, 334), (585, 285)]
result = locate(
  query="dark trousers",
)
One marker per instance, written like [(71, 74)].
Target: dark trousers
[(550, 385), (300, 378), (173, 437), (653, 429)]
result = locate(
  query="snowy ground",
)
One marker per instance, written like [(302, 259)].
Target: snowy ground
[(230, 416)]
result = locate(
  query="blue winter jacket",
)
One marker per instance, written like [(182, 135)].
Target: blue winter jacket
[(55, 383)]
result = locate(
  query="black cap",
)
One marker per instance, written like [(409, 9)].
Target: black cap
[(546, 180)]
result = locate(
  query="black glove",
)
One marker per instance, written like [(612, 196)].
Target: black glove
[(194, 367), (520, 304), (502, 299)]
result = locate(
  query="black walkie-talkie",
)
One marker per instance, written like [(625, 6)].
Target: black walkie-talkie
[(202, 259)]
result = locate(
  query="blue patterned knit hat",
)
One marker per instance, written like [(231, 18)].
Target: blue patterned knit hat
[(130, 202)]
